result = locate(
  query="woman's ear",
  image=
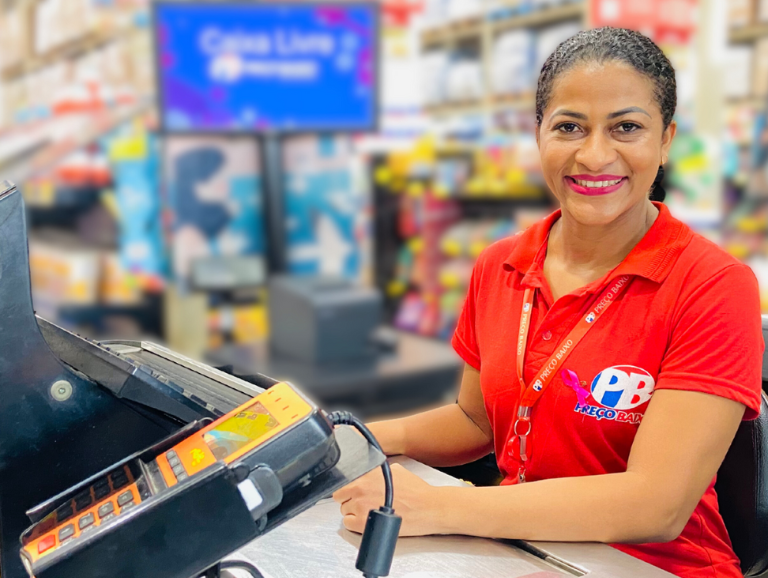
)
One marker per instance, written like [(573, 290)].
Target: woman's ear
[(666, 140)]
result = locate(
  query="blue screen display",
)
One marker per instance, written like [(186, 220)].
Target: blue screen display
[(267, 67)]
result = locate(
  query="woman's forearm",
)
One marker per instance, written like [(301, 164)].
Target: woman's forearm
[(445, 436), (611, 508)]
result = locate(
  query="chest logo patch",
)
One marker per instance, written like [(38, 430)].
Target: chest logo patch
[(622, 387), (616, 390)]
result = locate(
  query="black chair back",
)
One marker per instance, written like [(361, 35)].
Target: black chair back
[(742, 487)]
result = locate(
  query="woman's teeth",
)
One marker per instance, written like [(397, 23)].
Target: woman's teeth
[(597, 184)]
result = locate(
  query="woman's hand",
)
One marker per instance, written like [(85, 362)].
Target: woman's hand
[(415, 501)]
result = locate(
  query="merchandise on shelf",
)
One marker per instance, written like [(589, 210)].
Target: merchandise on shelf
[(79, 56), (63, 273), (760, 69), (512, 64), (440, 207), (549, 38), (741, 13), (434, 80), (464, 9), (692, 194), (242, 323), (464, 79), (16, 25), (737, 80), (118, 285), (136, 166)]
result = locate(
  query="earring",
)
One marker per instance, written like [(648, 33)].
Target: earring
[(659, 175)]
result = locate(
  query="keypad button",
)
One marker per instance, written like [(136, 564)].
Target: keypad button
[(171, 455), (127, 507), (124, 498), (106, 509), (86, 520), (173, 462), (108, 517), (181, 477), (46, 544), (102, 483), (83, 501), (66, 532), (119, 480), (64, 512), (101, 492), (178, 470)]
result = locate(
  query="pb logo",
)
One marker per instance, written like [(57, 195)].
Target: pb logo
[(526, 307), (590, 318), (537, 386), (622, 387)]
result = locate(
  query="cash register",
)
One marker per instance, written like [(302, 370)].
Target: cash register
[(123, 459)]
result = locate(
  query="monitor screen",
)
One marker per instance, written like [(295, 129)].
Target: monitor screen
[(272, 67), (240, 430)]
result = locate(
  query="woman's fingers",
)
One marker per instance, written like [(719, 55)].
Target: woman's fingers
[(353, 523), (348, 508)]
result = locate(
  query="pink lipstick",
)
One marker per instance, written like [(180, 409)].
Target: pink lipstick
[(595, 185)]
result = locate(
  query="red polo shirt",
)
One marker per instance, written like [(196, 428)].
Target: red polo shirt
[(690, 320)]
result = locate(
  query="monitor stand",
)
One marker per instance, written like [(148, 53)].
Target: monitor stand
[(271, 146)]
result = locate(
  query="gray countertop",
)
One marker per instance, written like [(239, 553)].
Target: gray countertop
[(316, 545)]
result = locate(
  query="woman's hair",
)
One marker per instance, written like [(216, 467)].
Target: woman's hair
[(613, 45)]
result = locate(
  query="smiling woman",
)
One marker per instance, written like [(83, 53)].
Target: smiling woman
[(610, 351)]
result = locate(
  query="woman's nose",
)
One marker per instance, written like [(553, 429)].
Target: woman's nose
[(596, 152)]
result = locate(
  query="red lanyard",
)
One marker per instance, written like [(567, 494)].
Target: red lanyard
[(530, 394)]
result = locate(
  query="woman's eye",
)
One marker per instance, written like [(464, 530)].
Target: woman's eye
[(568, 127), (628, 127)]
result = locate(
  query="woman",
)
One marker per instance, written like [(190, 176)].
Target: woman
[(599, 305)]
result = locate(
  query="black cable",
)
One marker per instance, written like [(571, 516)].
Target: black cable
[(382, 526), (241, 565), (346, 418)]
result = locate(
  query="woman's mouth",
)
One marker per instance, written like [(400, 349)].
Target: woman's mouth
[(592, 186)]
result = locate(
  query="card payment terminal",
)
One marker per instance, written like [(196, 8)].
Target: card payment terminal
[(185, 503)]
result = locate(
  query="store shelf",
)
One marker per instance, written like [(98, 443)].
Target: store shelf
[(42, 149), (458, 31), (752, 101), (543, 17), (525, 101), (456, 108), (746, 34), (463, 30), (498, 104), (71, 49)]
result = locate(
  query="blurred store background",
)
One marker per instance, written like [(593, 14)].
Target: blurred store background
[(176, 157)]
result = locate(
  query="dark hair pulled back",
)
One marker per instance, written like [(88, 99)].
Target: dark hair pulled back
[(608, 44)]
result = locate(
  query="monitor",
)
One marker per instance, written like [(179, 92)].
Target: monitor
[(252, 67)]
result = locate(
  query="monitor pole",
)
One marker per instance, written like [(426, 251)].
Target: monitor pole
[(274, 202)]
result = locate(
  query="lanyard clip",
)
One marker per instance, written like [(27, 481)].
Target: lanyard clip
[(522, 430)]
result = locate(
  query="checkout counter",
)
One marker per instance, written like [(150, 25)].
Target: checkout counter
[(76, 415), (316, 545)]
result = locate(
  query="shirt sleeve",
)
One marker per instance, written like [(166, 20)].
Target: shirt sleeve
[(716, 345), (465, 337)]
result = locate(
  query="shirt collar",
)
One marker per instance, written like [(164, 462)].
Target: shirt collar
[(653, 257)]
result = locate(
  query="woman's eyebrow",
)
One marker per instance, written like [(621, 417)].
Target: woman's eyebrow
[(571, 113), (628, 110)]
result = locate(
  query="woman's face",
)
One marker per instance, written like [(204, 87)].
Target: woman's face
[(602, 140)]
